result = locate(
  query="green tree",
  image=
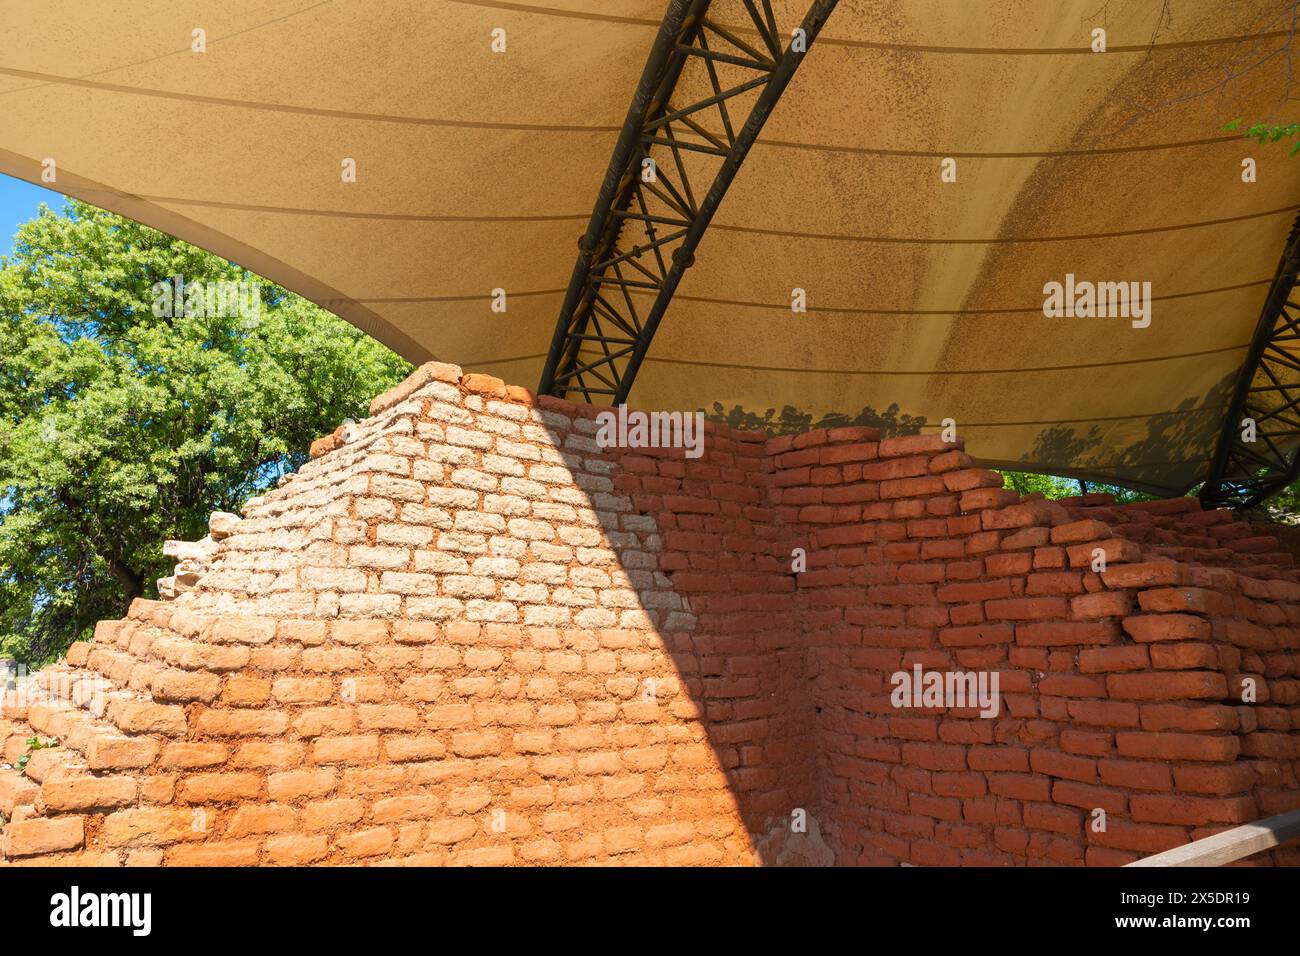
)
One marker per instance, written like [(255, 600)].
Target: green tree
[(121, 427), (1054, 486)]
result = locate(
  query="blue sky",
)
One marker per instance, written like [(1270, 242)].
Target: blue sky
[(19, 201)]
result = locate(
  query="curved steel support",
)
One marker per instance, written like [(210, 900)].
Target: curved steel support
[(1244, 473), (647, 222)]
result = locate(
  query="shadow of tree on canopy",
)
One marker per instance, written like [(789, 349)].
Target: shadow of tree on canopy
[(793, 421), (1169, 458)]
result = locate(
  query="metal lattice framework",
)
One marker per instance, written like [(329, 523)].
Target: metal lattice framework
[(649, 216), (1244, 473)]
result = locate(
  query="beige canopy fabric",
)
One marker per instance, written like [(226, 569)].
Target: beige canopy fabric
[(477, 170)]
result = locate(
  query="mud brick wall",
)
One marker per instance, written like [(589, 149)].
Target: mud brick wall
[(1121, 691), (464, 633)]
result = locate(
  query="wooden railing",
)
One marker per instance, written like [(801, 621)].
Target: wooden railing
[(1230, 845)]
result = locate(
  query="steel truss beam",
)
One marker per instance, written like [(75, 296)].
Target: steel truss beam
[(649, 215), (1244, 473)]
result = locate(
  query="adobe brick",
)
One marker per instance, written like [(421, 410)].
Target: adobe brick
[(1054, 582), (911, 487), (1034, 537), (1049, 558), (1144, 575), (1135, 774), (1191, 811), (969, 479), (292, 849), (1087, 796), (984, 498), (1071, 685), (294, 785), (1143, 838), (1055, 764), (1088, 607), (1045, 816), (1026, 609), (110, 752), (1116, 551), (976, 635), (38, 836), (897, 468), (262, 818), (1105, 713), (151, 826), (220, 787), (838, 454), (1179, 656), (1185, 599), (1147, 628), (1096, 660), (1169, 686), (1077, 532), (917, 445), (1191, 717), (1176, 746), (950, 460), (1008, 564), (1086, 743), (1021, 786), (1231, 778), (975, 591), (934, 756), (1058, 633), (1016, 516)]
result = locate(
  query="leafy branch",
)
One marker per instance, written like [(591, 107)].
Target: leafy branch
[(1266, 133)]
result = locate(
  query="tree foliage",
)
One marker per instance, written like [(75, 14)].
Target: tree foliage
[(121, 428), (1054, 486), (1268, 133)]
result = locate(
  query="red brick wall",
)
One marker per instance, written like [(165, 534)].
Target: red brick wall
[(465, 633), (1121, 690)]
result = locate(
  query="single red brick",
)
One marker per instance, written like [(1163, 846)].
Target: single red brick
[(1021, 786), (1167, 627), (1193, 600), (1087, 743), (1145, 575), (1088, 796), (1144, 838), (1169, 686), (1184, 656), (1105, 713), (1191, 811), (1096, 660), (1173, 746), (1088, 607), (934, 756), (1052, 634), (1027, 609), (1193, 717), (1069, 766), (1009, 564), (1227, 779), (999, 758), (1078, 531), (1135, 774), (1054, 582), (1071, 685), (1045, 816), (1116, 550), (975, 591), (977, 635)]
